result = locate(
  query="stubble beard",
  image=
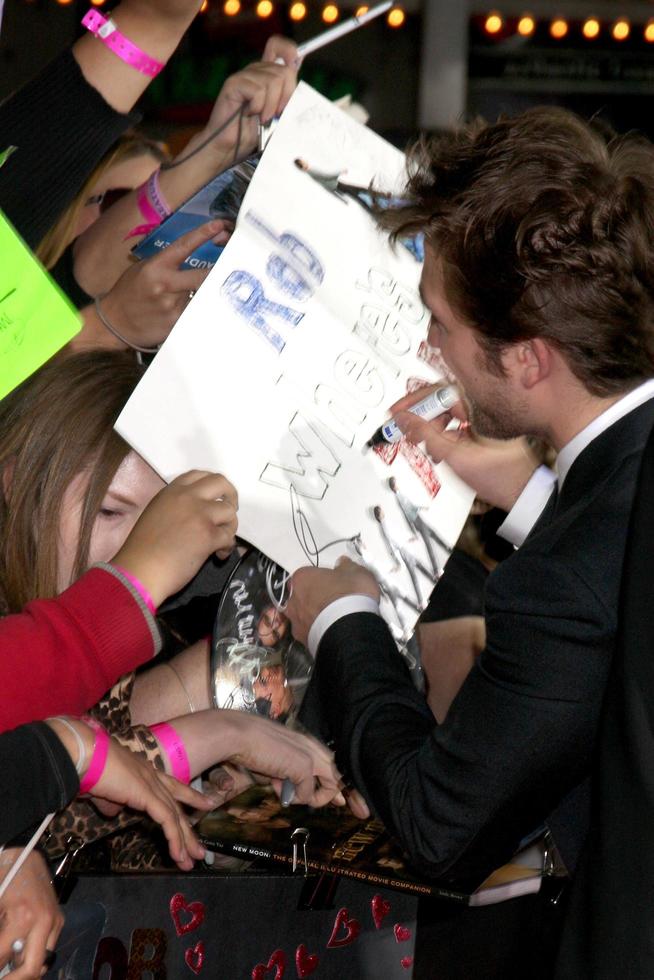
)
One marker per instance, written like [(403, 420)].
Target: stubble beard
[(500, 422)]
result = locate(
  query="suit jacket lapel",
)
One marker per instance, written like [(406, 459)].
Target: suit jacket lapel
[(603, 456)]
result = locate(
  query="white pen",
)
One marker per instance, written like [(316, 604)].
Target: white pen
[(340, 29), (319, 42)]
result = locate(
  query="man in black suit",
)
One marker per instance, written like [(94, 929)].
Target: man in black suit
[(539, 277), (608, 929)]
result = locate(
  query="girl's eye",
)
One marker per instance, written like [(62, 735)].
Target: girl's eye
[(109, 512)]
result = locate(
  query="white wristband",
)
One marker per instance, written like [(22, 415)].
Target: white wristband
[(81, 748)]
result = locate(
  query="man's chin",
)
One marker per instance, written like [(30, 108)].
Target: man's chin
[(490, 427)]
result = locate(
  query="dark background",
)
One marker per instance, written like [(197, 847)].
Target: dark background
[(381, 67)]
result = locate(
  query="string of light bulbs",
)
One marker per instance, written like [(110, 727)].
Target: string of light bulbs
[(297, 9), (495, 24)]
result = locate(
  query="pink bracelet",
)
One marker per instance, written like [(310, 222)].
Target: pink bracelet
[(98, 759), (107, 32), (152, 205), (141, 589), (173, 746), (155, 194)]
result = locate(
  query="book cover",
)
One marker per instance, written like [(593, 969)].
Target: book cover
[(254, 826), (220, 198)]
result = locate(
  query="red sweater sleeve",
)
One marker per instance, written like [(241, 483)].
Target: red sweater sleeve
[(59, 656)]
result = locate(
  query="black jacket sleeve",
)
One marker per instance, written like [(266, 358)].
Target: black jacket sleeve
[(62, 127), (518, 737), (37, 777)]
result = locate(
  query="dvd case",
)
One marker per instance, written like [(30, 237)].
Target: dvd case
[(256, 665)]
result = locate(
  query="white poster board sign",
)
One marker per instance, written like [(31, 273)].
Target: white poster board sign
[(286, 361)]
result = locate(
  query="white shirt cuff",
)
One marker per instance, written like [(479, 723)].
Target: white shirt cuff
[(528, 507), (336, 610)]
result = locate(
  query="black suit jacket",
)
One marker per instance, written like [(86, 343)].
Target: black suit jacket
[(515, 749), (609, 930)]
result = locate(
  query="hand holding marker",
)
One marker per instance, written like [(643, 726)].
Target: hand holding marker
[(435, 404)]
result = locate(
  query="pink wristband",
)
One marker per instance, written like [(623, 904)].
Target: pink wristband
[(107, 32), (98, 759), (152, 205), (146, 207), (155, 194), (141, 589), (173, 746)]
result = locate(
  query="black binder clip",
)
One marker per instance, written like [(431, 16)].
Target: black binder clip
[(300, 834)]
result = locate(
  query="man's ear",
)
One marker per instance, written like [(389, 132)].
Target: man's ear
[(8, 477), (533, 361)]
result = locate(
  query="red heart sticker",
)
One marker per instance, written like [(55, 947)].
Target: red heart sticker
[(407, 962), (178, 904), (305, 963), (380, 909), (401, 933), (194, 957), (277, 960), (352, 929)]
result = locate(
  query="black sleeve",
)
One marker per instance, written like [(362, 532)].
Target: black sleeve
[(62, 127), (518, 737), (37, 775), (64, 275)]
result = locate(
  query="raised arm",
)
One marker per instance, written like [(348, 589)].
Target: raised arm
[(65, 119), (261, 91), (154, 26)]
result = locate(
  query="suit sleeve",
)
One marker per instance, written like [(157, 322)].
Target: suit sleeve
[(460, 796), (59, 656)]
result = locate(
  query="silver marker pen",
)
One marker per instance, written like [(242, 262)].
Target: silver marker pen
[(429, 408)]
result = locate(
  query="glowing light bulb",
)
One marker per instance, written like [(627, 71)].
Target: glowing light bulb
[(64, 3), (648, 33), (621, 30), (297, 11), (232, 7), (591, 28), (97, 3), (203, 8), (395, 17), (526, 26), (330, 13), (264, 8), (559, 28), (361, 10), (493, 24)]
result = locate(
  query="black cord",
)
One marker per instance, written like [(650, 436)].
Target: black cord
[(240, 112)]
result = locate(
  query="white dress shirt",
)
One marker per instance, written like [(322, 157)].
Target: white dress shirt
[(524, 513), (529, 505)]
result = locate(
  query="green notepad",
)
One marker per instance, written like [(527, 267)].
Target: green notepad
[(36, 319)]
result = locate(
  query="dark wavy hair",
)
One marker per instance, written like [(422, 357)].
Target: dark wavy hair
[(545, 228)]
